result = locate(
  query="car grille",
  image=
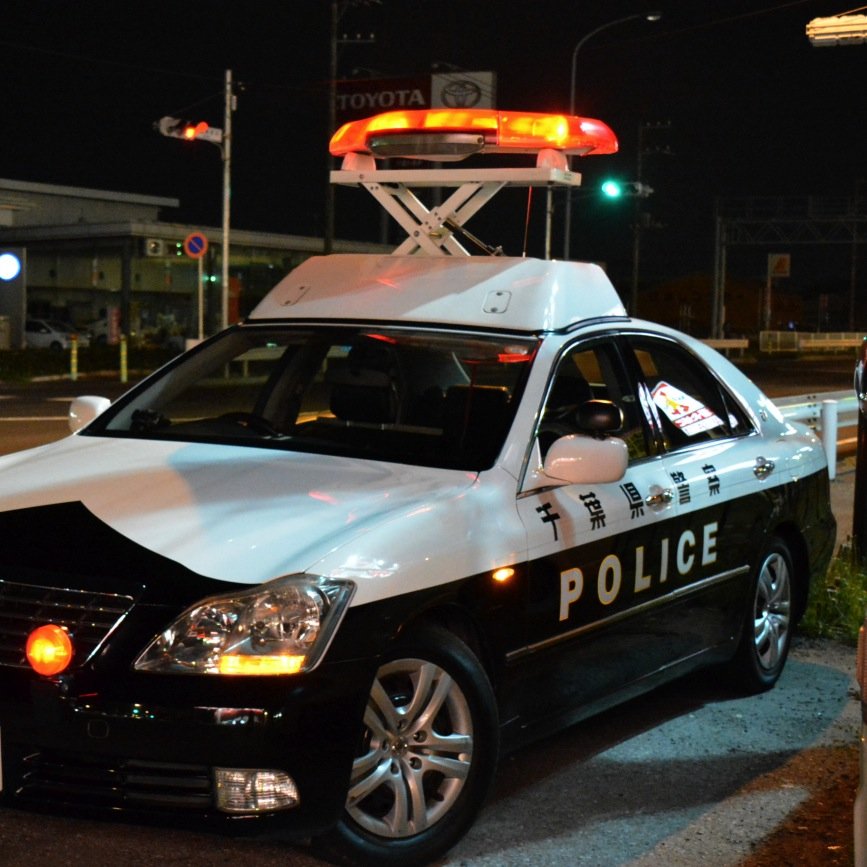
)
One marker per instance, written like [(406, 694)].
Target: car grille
[(88, 616), (113, 784)]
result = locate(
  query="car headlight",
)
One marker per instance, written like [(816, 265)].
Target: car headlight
[(282, 627)]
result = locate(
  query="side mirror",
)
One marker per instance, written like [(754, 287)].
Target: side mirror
[(583, 460), (83, 410)]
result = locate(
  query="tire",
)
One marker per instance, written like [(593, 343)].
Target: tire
[(427, 758), (769, 621)]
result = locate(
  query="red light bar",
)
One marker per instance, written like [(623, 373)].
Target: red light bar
[(457, 133)]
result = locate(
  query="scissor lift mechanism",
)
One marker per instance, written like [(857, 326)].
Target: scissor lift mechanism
[(432, 231)]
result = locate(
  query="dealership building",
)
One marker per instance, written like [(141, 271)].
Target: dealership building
[(88, 255)]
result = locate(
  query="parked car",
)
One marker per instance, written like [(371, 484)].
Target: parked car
[(324, 563), (328, 565), (51, 334), (99, 331)]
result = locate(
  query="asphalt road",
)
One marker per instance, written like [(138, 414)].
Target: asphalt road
[(688, 775)]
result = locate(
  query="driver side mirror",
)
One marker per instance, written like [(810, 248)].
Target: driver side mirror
[(584, 460)]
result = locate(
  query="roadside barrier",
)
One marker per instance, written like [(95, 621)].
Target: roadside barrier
[(825, 413), (73, 357), (124, 369)]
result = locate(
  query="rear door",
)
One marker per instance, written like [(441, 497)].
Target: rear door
[(719, 467)]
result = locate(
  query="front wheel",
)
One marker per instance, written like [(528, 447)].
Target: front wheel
[(768, 626), (427, 758)]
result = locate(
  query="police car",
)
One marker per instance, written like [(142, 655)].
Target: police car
[(414, 511)]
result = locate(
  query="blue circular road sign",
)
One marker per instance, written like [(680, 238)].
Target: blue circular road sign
[(195, 245)]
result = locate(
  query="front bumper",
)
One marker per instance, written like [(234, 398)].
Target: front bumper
[(151, 747)]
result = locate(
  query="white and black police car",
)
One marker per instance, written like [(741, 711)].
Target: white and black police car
[(415, 510)]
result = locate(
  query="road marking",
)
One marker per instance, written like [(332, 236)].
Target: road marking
[(30, 418)]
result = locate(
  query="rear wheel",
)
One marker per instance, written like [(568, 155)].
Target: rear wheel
[(427, 757), (768, 625)]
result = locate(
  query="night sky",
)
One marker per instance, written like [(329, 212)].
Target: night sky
[(753, 109)]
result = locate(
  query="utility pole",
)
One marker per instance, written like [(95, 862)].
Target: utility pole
[(226, 151), (338, 8), (328, 229)]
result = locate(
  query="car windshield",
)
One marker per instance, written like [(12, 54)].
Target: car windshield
[(424, 397)]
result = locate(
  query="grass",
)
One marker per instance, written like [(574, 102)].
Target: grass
[(838, 601)]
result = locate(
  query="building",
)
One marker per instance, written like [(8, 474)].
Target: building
[(96, 254)]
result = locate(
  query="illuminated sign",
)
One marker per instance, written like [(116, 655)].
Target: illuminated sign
[(360, 97), (10, 266)]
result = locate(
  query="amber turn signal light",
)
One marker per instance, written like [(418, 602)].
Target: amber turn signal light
[(49, 649)]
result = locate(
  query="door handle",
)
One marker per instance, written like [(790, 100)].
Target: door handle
[(763, 468), (659, 498)]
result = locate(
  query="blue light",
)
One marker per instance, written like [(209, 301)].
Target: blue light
[(10, 266)]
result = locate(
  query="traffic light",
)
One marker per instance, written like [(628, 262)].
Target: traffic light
[(612, 188), (188, 130)]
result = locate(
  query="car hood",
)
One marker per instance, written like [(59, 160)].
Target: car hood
[(233, 513)]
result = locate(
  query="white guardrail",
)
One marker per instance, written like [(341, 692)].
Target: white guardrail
[(825, 413), (808, 341)]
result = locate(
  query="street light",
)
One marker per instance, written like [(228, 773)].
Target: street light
[(649, 16)]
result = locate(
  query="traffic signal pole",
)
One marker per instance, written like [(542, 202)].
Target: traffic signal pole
[(227, 195), (191, 131)]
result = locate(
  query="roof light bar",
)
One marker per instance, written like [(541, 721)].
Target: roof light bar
[(452, 134)]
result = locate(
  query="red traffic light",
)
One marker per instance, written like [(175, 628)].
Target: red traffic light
[(189, 130), (194, 130)]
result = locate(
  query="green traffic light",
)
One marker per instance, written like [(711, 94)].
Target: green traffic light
[(612, 189)]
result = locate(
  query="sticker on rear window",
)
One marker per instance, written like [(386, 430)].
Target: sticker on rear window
[(685, 412)]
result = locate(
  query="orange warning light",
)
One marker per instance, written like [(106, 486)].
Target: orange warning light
[(461, 132), (49, 649)]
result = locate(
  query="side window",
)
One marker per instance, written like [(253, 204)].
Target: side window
[(691, 406), (592, 372)]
